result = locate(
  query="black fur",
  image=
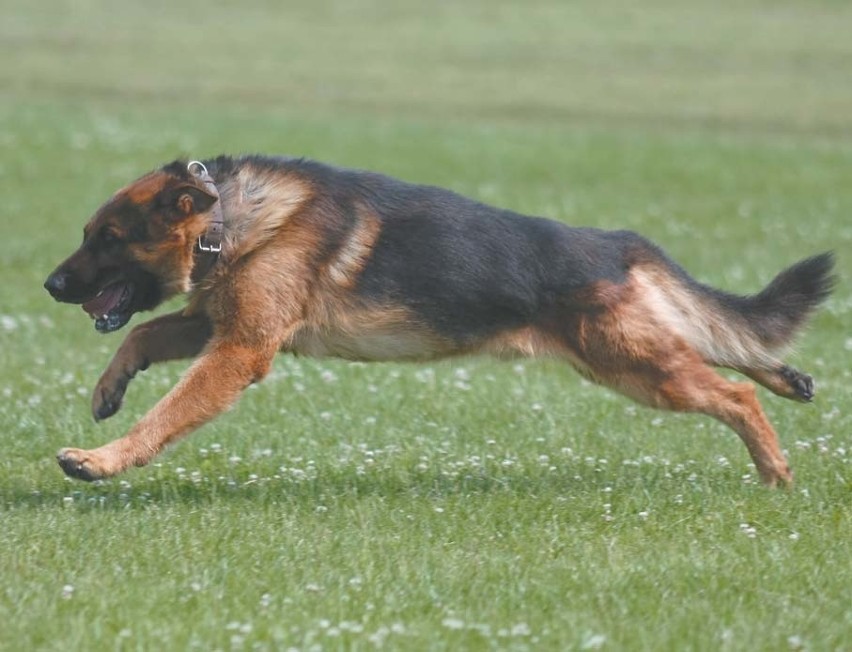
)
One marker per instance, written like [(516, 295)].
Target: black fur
[(469, 270)]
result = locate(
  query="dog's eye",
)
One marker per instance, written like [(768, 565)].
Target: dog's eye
[(109, 237)]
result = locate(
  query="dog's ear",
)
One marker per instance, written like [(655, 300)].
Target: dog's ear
[(192, 199), (188, 199)]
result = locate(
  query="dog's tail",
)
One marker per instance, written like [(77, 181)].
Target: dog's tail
[(750, 332)]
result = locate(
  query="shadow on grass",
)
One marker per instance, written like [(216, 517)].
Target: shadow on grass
[(328, 487)]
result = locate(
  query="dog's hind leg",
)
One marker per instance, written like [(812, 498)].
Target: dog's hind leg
[(627, 347), (680, 381), (694, 387), (170, 337)]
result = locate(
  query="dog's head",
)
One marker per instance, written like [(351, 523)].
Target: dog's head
[(138, 248)]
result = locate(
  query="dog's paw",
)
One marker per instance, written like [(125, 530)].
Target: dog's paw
[(775, 472), (801, 384), (108, 396), (82, 465)]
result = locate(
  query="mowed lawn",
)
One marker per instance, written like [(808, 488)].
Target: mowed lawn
[(462, 505)]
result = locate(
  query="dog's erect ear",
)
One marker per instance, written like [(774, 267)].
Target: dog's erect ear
[(190, 199)]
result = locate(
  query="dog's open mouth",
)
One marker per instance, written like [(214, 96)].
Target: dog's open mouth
[(111, 307)]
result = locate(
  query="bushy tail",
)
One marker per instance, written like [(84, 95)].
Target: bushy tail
[(772, 318), (729, 330), (779, 312)]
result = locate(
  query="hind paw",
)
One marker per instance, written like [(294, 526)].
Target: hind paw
[(801, 384)]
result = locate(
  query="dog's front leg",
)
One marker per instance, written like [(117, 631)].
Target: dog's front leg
[(170, 337), (211, 385)]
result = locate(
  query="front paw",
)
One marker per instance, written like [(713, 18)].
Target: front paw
[(84, 465), (108, 396)]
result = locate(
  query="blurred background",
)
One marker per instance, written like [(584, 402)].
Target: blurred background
[(752, 65)]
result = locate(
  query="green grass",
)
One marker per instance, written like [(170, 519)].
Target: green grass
[(464, 505)]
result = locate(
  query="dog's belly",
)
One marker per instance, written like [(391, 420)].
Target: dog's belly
[(368, 345)]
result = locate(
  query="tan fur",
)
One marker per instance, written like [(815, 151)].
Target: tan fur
[(143, 190), (173, 260), (257, 205), (638, 347), (366, 334), (353, 255), (715, 335)]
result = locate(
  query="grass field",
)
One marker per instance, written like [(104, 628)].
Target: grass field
[(466, 505)]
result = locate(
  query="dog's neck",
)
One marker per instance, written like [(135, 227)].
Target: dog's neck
[(209, 244), (254, 203), (204, 261)]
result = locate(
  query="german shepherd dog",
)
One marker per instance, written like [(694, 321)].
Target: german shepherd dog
[(280, 254)]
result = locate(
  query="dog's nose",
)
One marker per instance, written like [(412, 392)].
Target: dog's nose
[(56, 282)]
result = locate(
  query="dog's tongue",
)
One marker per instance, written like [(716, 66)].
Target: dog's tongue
[(108, 299)]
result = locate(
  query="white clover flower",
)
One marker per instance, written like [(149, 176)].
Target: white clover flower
[(521, 629), (593, 642)]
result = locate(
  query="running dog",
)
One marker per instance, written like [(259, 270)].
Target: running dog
[(279, 254)]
